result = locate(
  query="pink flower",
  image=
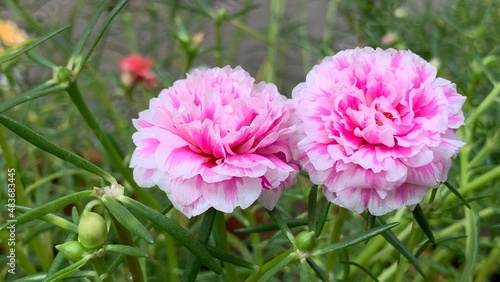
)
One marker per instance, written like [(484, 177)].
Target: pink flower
[(216, 139), (376, 128), (136, 68)]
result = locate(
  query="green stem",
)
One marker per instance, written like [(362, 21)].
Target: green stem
[(220, 232), (303, 35), (100, 268), (218, 42), (337, 231), (489, 100), (133, 262), (330, 20), (254, 238), (171, 258), (116, 159), (402, 267), (276, 15)]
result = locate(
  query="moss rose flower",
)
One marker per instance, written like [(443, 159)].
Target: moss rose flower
[(216, 139), (376, 128)]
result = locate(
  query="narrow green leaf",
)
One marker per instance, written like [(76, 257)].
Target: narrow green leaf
[(67, 270), (400, 247), (352, 240), (44, 144), (372, 276), (271, 226), (86, 33), (193, 264), (127, 250), (317, 270), (276, 217), (54, 219), (457, 194), (273, 266), (438, 241), (323, 214), (41, 60), (179, 233), (30, 46), (41, 276), (304, 271), (311, 205), (126, 218), (52, 206), (471, 245), (101, 31), (30, 95), (228, 257), (419, 216)]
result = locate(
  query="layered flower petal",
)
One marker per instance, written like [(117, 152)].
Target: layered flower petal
[(375, 128), (216, 139)]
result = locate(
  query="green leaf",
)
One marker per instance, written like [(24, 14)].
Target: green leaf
[(311, 205), (41, 60), (471, 245), (101, 31), (457, 194), (317, 270), (276, 217), (303, 272), (30, 46), (179, 234), (37, 92), (352, 240), (372, 276), (419, 216), (44, 144), (126, 250), (54, 219), (400, 247), (39, 212), (193, 264), (41, 276), (438, 241), (273, 266), (86, 33), (126, 218), (323, 214), (271, 226), (227, 257), (67, 270)]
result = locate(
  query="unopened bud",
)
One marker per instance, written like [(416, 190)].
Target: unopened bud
[(305, 241), (72, 250), (63, 74), (92, 230)]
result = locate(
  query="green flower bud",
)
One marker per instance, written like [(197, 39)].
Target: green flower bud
[(72, 250), (63, 74), (92, 230), (305, 241)]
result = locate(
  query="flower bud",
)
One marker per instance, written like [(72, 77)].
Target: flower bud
[(92, 230), (63, 74), (72, 250), (305, 241)]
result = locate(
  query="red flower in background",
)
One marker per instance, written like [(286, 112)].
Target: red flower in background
[(135, 68)]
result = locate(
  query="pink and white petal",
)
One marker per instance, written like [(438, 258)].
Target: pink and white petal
[(269, 198), (145, 177), (180, 162), (226, 195), (185, 191), (406, 195), (430, 175)]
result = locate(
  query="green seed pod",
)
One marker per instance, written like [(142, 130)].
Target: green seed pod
[(305, 241), (92, 231), (63, 74), (72, 250)]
